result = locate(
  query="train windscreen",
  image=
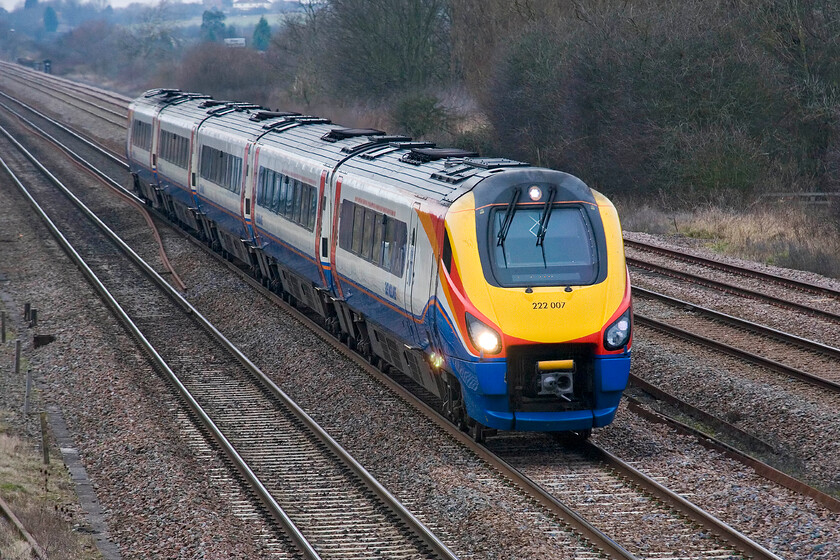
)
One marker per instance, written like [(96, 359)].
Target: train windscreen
[(533, 251)]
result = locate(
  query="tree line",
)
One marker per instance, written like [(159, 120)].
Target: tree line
[(685, 102)]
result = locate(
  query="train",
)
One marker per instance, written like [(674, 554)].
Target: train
[(499, 287)]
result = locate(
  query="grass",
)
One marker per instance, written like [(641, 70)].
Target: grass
[(41, 497), (798, 237)]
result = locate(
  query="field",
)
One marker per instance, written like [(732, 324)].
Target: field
[(43, 499), (791, 236)]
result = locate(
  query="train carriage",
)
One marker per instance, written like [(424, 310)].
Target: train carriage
[(497, 286)]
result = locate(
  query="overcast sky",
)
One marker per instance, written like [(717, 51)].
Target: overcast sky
[(12, 4)]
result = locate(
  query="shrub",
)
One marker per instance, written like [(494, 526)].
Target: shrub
[(419, 115), (225, 73), (686, 100)]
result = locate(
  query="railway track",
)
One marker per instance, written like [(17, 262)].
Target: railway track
[(266, 441), (692, 531), (818, 301), (98, 103), (790, 355), (111, 97), (734, 269), (327, 504), (595, 476)]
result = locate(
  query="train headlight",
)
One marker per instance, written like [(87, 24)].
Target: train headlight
[(618, 333), (483, 337)]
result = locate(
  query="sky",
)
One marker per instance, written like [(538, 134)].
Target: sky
[(12, 4)]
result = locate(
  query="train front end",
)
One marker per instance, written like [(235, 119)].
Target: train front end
[(536, 283)]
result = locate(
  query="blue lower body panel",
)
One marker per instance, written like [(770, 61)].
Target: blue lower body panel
[(485, 391)]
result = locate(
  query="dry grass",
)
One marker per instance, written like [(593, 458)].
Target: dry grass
[(44, 501), (798, 237)]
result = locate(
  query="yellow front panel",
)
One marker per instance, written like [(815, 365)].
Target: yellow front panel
[(547, 314)]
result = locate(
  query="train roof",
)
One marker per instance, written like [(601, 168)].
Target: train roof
[(422, 168)]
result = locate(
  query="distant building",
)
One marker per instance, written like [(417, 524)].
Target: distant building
[(235, 42), (248, 5)]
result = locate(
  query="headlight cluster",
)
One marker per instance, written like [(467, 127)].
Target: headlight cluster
[(483, 337), (618, 334)]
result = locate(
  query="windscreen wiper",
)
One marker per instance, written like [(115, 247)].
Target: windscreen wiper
[(511, 210), (546, 215)]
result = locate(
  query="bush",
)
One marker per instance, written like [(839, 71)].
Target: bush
[(684, 99), (419, 115), (226, 73)]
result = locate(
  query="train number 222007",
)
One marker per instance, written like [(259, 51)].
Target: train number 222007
[(547, 305)]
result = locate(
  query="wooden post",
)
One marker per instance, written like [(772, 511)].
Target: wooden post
[(26, 396), (3, 327), (33, 317), (44, 442), (26, 307), (17, 358)]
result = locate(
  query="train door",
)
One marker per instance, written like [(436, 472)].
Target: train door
[(248, 190), (410, 257), (194, 165), (324, 228), (154, 146)]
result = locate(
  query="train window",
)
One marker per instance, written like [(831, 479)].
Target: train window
[(313, 208), (296, 201), (373, 236), (367, 235), (388, 244), (568, 254), (290, 198), (141, 135), (304, 205), (345, 231), (174, 148), (273, 182), (358, 226), (222, 168), (395, 238), (446, 255), (287, 198), (281, 185), (378, 239)]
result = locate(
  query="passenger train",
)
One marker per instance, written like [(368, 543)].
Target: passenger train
[(499, 287)]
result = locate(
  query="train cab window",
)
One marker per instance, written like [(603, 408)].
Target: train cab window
[(141, 135), (567, 255), (373, 236)]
